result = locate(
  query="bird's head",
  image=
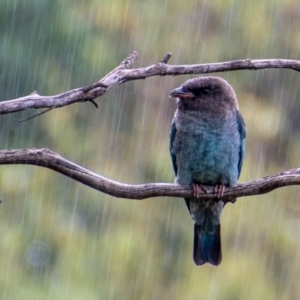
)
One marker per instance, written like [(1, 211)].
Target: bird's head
[(205, 93)]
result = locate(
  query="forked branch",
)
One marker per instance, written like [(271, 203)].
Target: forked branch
[(123, 74)]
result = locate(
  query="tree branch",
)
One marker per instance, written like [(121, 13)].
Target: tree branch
[(51, 160), (122, 74)]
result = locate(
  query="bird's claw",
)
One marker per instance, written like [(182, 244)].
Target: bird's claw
[(220, 189), (197, 189)]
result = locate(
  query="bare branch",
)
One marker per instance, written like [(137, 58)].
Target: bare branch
[(51, 160), (83, 94), (122, 74)]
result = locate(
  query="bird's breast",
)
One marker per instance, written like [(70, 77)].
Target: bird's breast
[(207, 153)]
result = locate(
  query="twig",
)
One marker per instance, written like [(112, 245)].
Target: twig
[(36, 115), (166, 58), (51, 160)]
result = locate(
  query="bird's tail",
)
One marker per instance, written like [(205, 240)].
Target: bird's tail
[(207, 244)]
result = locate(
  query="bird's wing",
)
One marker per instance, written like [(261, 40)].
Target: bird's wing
[(172, 138), (242, 131)]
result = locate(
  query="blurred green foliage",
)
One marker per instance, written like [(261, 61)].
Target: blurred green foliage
[(62, 240)]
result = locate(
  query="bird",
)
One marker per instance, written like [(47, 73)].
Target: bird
[(207, 148)]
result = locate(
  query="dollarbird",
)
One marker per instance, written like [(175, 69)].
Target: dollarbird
[(207, 147)]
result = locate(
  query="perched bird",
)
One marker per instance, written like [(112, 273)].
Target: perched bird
[(207, 147)]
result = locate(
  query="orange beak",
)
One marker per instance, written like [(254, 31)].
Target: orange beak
[(180, 93)]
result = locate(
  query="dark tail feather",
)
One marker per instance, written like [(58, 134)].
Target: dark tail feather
[(207, 245)]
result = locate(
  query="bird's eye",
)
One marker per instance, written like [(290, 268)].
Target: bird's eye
[(205, 91)]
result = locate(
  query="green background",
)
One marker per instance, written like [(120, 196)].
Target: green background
[(63, 240)]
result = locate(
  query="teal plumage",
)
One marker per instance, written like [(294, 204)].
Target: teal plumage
[(207, 147)]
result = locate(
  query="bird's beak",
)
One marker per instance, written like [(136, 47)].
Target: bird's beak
[(179, 93)]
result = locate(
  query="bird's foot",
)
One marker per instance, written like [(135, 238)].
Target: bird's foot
[(197, 189), (219, 189)]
